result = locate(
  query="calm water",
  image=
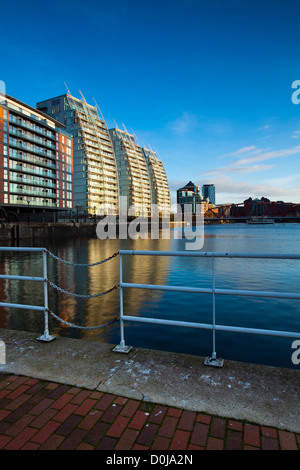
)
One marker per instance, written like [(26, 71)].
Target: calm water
[(271, 275)]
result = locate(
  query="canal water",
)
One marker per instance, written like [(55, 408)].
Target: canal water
[(248, 274)]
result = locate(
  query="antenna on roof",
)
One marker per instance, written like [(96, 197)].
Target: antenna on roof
[(137, 140), (67, 89), (116, 124), (98, 109), (83, 98), (125, 129)]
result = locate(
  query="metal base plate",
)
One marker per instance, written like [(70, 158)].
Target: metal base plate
[(122, 349), (46, 339), (210, 361)]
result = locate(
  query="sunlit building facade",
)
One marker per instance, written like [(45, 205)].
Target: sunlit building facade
[(36, 160), (96, 188), (133, 173), (159, 182)]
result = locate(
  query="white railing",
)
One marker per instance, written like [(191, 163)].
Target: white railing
[(45, 337), (213, 360)]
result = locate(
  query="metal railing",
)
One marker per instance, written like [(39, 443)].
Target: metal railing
[(213, 360), (122, 347), (45, 337)]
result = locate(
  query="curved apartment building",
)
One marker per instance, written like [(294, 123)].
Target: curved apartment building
[(110, 168), (159, 181), (134, 177), (96, 189)]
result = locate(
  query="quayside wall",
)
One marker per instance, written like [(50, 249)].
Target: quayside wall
[(31, 231)]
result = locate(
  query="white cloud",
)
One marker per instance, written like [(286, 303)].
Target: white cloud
[(239, 151), (296, 135), (238, 169), (188, 122), (229, 190), (185, 123), (269, 155)]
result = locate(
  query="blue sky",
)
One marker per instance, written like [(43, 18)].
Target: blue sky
[(205, 83)]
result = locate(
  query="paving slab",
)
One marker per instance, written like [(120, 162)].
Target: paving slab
[(265, 395)]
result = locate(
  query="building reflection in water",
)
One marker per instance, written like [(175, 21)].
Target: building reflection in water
[(86, 312)]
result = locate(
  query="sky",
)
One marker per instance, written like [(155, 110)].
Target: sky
[(208, 84)]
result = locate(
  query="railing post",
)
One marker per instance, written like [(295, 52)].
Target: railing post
[(213, 361), (121, 347), (214, 355), (45, 337)]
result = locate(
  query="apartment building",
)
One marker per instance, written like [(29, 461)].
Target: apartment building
[(96, 189), (158, 180), (133, 173), (36, 160)]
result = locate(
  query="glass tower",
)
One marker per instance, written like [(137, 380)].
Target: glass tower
[(208, 191)]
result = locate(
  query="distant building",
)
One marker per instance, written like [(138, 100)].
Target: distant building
[(36, 161), (209, 191), (189, 194)]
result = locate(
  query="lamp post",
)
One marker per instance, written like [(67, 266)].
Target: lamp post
[(28, 217), (95, 214), (76, 212)]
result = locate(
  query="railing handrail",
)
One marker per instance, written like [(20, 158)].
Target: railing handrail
[(20, 248), (214, 291), (209, 254)]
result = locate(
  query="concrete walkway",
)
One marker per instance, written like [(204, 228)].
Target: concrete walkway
[(259, 400)]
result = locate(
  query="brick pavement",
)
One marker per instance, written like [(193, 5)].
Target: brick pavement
[(36, 414)]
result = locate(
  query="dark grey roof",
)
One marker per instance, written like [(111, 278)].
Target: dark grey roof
[(189, 185)]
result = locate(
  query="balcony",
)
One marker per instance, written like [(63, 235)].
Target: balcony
[(25, 190), (34, 202), (16, 179), (34, 171), (31, 126), (31, 137), (30, 148), (30, 159)]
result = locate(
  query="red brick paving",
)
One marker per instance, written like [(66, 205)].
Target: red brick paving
[(40, 415)]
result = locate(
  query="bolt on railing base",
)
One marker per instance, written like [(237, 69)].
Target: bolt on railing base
[(122, 349), (46, 338), (215, 362)]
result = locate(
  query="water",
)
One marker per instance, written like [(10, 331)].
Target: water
[(249, 274)]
